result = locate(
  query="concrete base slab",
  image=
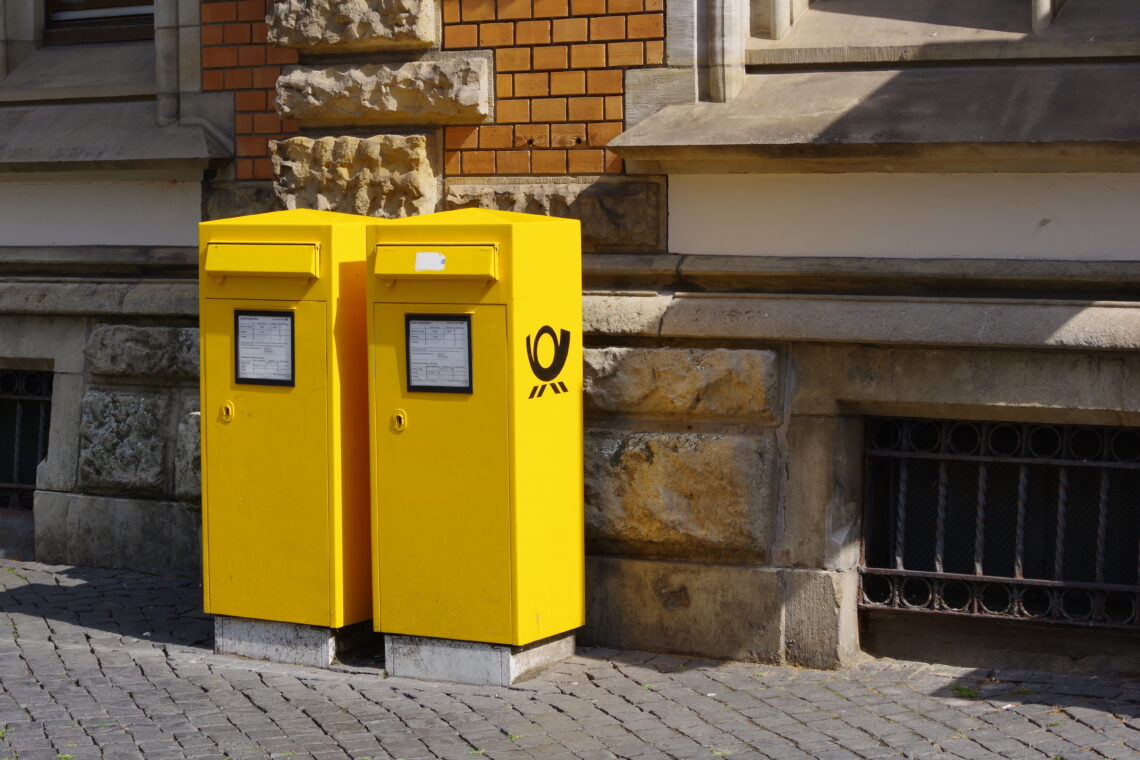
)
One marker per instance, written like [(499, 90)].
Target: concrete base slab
[(290, 643), (471, 662)]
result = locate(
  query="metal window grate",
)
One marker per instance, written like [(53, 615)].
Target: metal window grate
[(1001, 519), (25, 414)]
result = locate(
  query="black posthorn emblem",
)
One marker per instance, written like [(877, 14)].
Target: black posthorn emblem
[(549, 372)]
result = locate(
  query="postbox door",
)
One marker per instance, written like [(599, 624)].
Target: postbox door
[(265, 461), (443, 527)]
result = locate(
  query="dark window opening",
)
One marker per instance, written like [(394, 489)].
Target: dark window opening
[(78, 21), (1001, 519), (25, 416)]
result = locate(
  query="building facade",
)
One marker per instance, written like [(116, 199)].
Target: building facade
[(860, 333)]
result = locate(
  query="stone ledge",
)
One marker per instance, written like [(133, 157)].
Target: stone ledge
[(143, 297), (999, 278), (1074, 325), (1048, 117), (101, 261)]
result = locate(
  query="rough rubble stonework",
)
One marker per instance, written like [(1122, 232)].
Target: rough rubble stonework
[(163, 352), (122, 442), (616, 215), (387, 176), (188, 458), (680, 495), (352, 25), (448, 91), (721, 384)]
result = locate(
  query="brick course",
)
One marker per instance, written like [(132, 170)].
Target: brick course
[(559, 80), (236, 59)]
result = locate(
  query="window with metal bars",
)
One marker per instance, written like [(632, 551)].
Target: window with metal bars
[(25, 415), (1003, 519), (77, 21)]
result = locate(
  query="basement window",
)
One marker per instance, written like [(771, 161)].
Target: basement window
[(25, 416), (79, 21), (1003, 520)]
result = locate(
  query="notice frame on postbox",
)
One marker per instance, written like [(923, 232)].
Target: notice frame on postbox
[(438, 353), (264, 347)]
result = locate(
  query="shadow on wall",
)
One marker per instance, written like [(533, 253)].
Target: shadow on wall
[(152, 608)]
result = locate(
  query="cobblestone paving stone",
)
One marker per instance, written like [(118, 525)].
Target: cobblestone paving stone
[(103, 664)]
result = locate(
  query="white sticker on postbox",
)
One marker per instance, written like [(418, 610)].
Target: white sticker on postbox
[(430, 261)]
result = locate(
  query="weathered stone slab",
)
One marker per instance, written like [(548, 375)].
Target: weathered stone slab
[(722, 384), (446, 91), (681, 495), (135, 534), (122, 446), (616, 215), (352, 25), (151, 352), (188, 458), (625, 313), (388, 176), (723, 611), (820, 618)]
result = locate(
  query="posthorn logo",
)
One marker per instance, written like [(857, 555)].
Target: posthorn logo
[(548, 373)]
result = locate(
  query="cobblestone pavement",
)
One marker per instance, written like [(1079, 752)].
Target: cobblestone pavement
[(102, 664)]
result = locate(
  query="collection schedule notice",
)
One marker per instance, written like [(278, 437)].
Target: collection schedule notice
[(439, 354), (265, 348)]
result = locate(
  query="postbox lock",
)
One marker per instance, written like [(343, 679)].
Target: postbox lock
[(399, 420), (228, 411)]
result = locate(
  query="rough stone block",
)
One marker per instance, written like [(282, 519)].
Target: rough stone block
[(151, 352), (388, 176), (625, 314), (683, 495), (122, 441), (188, 458), (446, 91), (820, 618), (824, 493), (693, 384), (722, 611), (616, 215), (131, 534), (352, 25)]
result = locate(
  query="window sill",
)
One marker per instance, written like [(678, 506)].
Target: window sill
[(835, 32)]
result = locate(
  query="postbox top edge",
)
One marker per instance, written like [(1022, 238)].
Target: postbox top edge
[(476, 216), (290, 217)]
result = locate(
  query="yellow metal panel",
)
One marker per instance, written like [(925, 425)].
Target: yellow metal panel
[(442, 543), (266, 459), (546, 413), (262, 260), (438, 262)]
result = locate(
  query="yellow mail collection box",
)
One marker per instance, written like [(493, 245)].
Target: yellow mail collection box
[(285, 506), (475, 387)]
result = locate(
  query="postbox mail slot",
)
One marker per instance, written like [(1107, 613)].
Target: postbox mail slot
[(443, 262), (262, 260)]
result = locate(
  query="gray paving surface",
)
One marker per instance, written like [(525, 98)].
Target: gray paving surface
[(102, 664)]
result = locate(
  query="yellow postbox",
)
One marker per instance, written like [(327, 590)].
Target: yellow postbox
[(284, 430), (475, 392)]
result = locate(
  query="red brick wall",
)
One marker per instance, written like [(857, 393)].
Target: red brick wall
[(558, 80), (236, 59)]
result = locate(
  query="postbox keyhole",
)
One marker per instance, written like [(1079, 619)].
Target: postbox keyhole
[(400, 420), (228, 411)]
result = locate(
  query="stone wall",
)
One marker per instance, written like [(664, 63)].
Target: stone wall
[(120, 486)]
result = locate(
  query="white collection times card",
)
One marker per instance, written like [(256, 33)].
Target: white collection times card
[(265, 348), (439, 354)]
